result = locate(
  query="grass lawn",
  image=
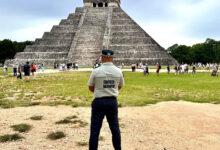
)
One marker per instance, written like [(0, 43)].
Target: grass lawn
[(70, 88)]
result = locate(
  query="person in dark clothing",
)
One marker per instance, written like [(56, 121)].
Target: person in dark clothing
[(158, 67), (168, 69), (27, 70)]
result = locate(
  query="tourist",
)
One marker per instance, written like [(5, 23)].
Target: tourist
[(146, 69), (158, 67), (105, 82), (179, 68), (176, 69), (5, 70), (76, 66), (122, 65), (168, 69), (215, 72), (186, 69), (15, 69), (19, 75), (133, 67), (194, 69), (27, 71), (33, 69)]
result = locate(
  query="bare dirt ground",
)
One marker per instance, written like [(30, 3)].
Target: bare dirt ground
[(164, 126)]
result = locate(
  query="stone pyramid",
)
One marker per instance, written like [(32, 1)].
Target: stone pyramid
[(100, 24)]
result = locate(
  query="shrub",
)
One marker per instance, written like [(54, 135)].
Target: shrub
[(10, 137), (56, 135), (21, 128)]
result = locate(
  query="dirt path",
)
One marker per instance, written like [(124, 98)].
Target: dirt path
[(165, 126)]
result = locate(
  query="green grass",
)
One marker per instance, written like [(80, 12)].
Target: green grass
[(21, 128), (70, 88), (10, 138)]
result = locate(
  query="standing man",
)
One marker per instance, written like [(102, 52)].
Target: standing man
[(27, 70), (105, 82)]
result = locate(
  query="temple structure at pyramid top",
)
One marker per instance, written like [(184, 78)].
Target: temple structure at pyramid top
[(101, 3), (99, 24)]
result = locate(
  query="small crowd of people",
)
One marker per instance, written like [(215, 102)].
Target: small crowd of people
[(65, 67), (178, 68), (20, 70)]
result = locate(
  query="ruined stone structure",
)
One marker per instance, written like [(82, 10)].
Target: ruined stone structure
[(100, 24)]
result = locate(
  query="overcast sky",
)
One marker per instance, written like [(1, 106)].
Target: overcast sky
[(167, 21)]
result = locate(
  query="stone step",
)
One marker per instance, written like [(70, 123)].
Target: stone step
[(41, 55), (74, 16), (143, 53), (127, 34), (51, 35), (117, 10), (46, 48), (127, 28), (116, 22), (63, 29), (97, 10), (134, 41), (120, 15), (73, 22), (53, 42), (133, 47)]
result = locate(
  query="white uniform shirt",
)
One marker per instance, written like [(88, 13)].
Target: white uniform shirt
[(106, 80)]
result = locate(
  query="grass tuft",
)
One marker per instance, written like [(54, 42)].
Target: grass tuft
[(82, 144), (36, 117), (21, 127), (10, 138), (101, 138), (56, 135), (67, 120), (80, 123)]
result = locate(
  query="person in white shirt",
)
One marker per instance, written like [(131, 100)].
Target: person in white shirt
[(105, 82)]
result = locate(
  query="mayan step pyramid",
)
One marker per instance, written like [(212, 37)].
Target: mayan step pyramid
[(100, 24)]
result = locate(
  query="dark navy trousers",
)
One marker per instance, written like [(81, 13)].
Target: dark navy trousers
[(101, 107)]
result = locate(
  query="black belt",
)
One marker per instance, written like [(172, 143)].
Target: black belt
[(108, 97)]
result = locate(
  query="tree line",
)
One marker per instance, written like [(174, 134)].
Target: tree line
[(9, 48), (207, 52)]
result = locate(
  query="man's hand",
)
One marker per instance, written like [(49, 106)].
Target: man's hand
[(92, 88)]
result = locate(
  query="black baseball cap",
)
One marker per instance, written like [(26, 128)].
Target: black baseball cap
[(107, 52)]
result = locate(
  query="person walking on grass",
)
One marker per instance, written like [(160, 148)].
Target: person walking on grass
[(194, 70), (105, 82), (27, 70), (15, 70), (146, 69), (33, 69), (19, 75), (158, 67), (5, 70), (168, 69)]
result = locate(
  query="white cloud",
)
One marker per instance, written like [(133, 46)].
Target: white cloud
[(33, 31), (167, 34)]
